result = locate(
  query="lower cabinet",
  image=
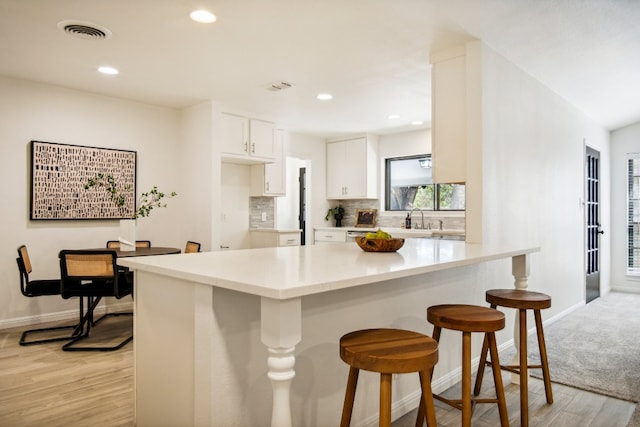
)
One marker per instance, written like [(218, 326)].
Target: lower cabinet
[(329, 236), (274, 238)]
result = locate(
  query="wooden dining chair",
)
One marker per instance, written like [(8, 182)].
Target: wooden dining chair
[(36, 288), (192, 247), (92, 274)]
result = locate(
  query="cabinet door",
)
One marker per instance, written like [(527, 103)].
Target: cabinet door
[(261, 139), (234, 134), (274, 173), (355, 171), (335, 170), (333, 236), (269, 179), (449, 124), (289, 239)]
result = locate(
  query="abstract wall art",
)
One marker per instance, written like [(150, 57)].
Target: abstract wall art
[(59, 173)]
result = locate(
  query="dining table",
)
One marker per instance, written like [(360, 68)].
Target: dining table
[(153, 250)]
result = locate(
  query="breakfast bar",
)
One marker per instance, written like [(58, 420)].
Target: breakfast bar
[(219, 336)]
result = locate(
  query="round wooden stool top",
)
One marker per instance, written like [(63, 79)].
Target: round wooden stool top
[(466, 318), (389, 351), (518, 298)]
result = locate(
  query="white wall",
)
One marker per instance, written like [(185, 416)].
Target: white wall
[(235, 193), (287, 206), (313, 150), (32, 111), (196, 174), (408, 143), (532, 178), (623, 141)]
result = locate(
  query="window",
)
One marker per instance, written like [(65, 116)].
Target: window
[(633, 214), (409, 185)]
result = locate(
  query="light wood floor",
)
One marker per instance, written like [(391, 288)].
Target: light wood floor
[(41, 385)]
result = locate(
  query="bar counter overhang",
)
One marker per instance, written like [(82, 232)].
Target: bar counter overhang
[(250, 337)]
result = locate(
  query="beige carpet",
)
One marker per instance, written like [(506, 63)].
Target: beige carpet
[(596, 348)]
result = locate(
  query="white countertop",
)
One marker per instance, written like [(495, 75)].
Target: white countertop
[(276, 230), (290, 272)]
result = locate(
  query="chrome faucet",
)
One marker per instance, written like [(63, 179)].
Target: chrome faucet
[(421, 214)]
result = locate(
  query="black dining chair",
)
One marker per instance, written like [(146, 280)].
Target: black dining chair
[(36, 288), (92, 274)]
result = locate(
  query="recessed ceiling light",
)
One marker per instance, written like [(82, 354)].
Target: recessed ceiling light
[(324, 96), (203, 16), (393, 116), (417, 123), (108, 70)]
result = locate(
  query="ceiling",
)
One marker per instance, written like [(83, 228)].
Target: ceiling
[(372, 55)]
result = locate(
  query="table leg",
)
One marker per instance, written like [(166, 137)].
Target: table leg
[(281, 330), (520, 269)]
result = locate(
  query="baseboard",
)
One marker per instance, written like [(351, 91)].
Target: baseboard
[(625, 289), (62, 316)]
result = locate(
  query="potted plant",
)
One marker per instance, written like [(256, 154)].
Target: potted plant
[(337, 212), (149, 200)]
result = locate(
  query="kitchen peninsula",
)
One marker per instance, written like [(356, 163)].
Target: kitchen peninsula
[(219, 336)]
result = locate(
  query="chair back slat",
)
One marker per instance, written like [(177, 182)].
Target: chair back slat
[(192, 247), (26, 261), (115, 244), (89, 265)]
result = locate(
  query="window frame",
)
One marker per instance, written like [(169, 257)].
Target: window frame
[(436, 187), (633, 187)]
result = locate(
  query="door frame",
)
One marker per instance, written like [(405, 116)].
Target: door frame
[(592, 221)]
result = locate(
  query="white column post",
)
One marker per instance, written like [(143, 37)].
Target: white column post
[(281, 329), (520, 271)]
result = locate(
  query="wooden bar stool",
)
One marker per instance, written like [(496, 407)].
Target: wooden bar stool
[(468, 319), (522, 301), (388, 351)]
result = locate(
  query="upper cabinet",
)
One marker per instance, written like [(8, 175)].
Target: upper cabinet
[(245, 140), (352, 168), (269, 179), (449, 118)]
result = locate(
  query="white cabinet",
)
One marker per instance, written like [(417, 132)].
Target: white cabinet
[(352, 168), (245, 140), (269, 179), (454, 94), (329, 236), (275, 238)]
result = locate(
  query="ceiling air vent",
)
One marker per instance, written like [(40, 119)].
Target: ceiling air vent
[(281, 85), (84, 30)]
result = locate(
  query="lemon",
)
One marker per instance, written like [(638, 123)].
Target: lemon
[(382, 235)]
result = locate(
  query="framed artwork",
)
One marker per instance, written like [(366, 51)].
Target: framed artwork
[(59, 173), (366, 217)]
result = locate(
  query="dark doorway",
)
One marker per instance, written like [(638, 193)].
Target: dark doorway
[(302, 208)]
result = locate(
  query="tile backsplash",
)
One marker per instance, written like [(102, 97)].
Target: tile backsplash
[(258, 205), (452, 221), (395, 219)]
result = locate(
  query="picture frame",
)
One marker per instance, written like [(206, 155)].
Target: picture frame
[(366, 218), (59, 173)]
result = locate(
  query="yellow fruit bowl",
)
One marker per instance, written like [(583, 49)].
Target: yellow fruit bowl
[(379, 245)]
